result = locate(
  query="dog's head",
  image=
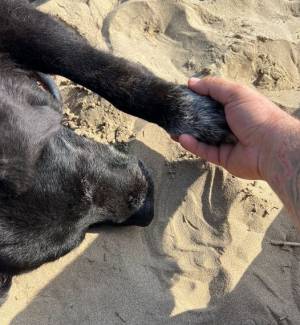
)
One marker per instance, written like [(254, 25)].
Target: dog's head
[(105, 184), (55, 184), (70, 178), (48, 170), (116, 187)]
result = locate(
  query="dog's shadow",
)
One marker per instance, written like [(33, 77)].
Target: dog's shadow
[(124, 276)]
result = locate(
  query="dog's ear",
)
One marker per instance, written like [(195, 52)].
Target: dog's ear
[(24, 131)]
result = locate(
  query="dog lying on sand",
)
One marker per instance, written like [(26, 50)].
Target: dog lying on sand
[(55, 184)]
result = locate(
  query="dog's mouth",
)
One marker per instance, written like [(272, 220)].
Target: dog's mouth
[(141, 218)]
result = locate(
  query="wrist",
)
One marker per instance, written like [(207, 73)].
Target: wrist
[(281, 140)]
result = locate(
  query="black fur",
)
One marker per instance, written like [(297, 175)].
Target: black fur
[(53, 183)]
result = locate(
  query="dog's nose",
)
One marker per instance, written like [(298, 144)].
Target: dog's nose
[(144, 216)]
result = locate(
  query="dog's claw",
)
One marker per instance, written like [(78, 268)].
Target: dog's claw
[(50, 84)]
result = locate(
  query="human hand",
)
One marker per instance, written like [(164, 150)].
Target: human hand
[(253, 119)]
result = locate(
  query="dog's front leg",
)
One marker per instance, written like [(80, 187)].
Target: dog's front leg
[(41, 43)]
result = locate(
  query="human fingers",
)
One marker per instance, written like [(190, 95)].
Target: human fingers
[(215, 155)]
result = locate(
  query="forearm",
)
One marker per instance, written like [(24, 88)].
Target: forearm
[(281, 165)]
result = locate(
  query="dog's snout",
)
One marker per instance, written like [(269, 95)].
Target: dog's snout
[(144, 216)]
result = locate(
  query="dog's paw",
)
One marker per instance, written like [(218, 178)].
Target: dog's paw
[(199, 116)]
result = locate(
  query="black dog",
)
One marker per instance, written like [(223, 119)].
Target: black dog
[(53, 183)]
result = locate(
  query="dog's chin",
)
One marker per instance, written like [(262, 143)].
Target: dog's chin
[(142, 218)]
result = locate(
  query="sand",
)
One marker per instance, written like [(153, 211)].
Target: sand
[(207, 257)]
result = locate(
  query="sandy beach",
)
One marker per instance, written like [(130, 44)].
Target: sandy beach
[(208, 256)]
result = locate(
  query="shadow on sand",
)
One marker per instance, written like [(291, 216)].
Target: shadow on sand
[(125, 276)]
